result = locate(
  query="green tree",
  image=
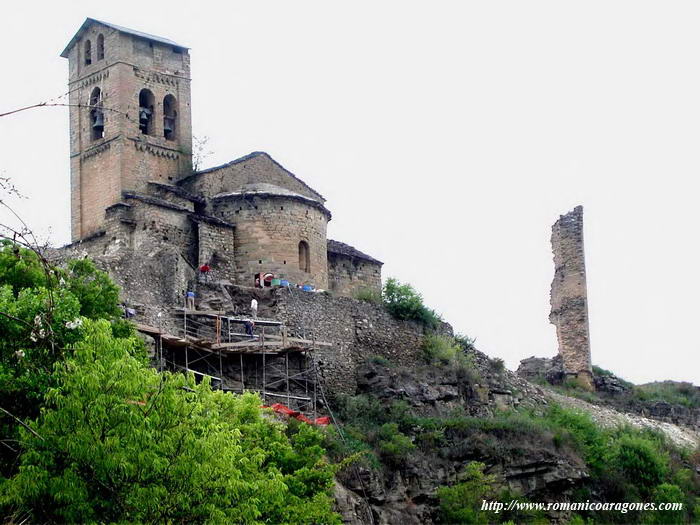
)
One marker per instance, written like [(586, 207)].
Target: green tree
[(97, 294), (118, 441), (41, 312)]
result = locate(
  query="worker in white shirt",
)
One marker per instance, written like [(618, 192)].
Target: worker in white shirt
[(254, 308)]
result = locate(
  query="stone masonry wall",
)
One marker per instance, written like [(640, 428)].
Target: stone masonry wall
[(268, 233), (348, 275), (357, 329), (569, 313), (216, 247), (146, 250)]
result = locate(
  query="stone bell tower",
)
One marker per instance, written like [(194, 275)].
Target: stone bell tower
[(130, 119)]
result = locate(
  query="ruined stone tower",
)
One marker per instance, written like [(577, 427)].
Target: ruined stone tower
[(568, 298), (129, 117)]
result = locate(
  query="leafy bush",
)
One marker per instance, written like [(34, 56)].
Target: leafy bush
[(368, 295), (666, 493), (404, 302), (361, 410), (497, 365), (640, 460), (394, 445), (466, 342), (380, 360), (601, 371), (440, 350), (462, 502)]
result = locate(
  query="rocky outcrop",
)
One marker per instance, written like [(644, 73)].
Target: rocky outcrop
[(539, 369), (610, 384), (528, 463)]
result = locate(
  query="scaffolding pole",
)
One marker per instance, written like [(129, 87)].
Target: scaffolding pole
[(221, 371), (286, 375), (242, 380)]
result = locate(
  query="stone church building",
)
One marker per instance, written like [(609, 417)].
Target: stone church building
[(137, 205)]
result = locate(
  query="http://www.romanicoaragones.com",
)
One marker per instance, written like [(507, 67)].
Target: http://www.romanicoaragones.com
[(621, 507)]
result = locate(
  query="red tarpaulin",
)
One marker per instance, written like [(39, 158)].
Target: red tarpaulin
[(282, 409)]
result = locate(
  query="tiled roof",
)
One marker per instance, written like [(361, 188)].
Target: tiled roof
[(349, 251), (145, 36), (253, 155)]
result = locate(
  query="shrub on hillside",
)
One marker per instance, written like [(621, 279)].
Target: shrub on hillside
[(368, 295), (441, 350), (462, 502), (685, 394), (404, 302), (639, 459), (466, 342), (393, 445)]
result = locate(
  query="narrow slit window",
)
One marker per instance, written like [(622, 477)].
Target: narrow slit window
[(304, 257)]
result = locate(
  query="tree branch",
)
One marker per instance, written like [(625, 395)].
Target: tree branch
[(22, 423)]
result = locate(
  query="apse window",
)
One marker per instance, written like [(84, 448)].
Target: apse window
[(304, 257)]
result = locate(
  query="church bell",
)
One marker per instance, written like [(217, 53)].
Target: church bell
[(98, 121), (144, 115), (168, 125)]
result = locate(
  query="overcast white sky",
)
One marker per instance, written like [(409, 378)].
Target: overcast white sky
[(447, 138)]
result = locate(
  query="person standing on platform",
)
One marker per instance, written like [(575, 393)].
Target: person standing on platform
[(204, 272)]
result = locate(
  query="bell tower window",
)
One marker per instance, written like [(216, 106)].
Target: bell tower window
[(97, 118), (88, 52), (304, 257), (146, 113), (170, 117), (100, 47)]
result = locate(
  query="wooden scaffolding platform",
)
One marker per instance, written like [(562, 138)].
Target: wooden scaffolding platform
[(264, 358)]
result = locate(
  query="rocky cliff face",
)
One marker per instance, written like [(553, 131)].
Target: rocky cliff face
[(529, 463), (473, 410)]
